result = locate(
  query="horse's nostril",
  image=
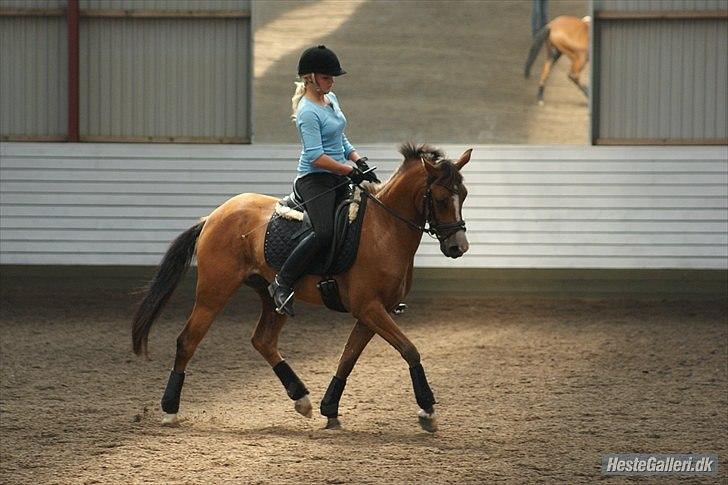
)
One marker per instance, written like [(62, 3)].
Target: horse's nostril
[(454, 252)]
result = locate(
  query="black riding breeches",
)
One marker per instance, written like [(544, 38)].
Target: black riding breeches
[(320, 206)]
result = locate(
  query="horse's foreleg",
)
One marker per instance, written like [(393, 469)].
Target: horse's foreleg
[(358, 339), (265, 341), (208, 304), (376, 317)]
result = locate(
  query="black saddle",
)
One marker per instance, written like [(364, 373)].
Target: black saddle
[(283, 235)]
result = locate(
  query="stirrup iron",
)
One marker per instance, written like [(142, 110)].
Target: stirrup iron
[(283, 308)]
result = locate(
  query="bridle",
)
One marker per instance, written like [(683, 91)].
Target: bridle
[(436, 229), (432, 226)]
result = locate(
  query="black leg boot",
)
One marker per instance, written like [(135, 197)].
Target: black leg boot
[(295, 266)]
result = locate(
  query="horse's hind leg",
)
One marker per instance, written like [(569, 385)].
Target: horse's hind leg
[(210, 299), (358, 339), (552, 55), (265, 341), (578, 62), (376, 317)]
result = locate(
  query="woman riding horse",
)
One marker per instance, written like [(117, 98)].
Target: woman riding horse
[(425, 194), (322, 170)]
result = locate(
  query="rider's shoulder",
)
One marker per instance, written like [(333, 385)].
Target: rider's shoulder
[(306, 111)]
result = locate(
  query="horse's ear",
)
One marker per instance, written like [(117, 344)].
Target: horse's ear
[(430, 167), (464, 158)]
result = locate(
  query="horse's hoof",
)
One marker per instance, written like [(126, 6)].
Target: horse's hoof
[(428, 422), (333, 423), (303, 406), (170, 420)]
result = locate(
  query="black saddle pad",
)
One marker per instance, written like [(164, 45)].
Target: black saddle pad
[(280, 241)]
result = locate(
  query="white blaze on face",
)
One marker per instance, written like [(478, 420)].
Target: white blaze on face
[(460, 238), (456, 205)]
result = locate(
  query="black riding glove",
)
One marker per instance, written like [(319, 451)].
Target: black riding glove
[(363, 166), (357, 176)]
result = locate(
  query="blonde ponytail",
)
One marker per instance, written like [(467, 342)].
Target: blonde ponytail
[(299, 93)]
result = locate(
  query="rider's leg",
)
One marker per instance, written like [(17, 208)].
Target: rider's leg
[(282, 287), (319, 192)]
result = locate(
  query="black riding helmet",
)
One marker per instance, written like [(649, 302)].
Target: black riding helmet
[(320, 60)]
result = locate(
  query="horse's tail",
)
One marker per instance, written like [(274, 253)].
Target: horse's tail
[(169, 273), (538, 41)]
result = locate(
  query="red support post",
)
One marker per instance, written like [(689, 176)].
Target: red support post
[(72, 19)]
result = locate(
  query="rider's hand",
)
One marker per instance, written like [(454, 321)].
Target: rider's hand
[(363, 166), (357, 176)]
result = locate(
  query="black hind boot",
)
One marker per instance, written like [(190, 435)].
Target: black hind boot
[(282, 287)]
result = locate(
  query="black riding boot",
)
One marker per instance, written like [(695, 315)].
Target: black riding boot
[(282, 287)]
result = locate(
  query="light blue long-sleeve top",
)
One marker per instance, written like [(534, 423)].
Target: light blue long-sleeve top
[(321, 130)]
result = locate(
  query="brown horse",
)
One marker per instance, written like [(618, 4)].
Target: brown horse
[(426, 189), (563, 35)]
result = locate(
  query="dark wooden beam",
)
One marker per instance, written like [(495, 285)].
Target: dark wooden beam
[(73, 120)]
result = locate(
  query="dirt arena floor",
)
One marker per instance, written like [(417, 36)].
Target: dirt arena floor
[(433, 71), (529, 390)]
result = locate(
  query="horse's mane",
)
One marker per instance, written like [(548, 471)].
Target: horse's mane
[(414, 154), (410, 151)]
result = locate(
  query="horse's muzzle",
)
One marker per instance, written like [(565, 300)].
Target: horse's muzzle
[(455, 245)]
